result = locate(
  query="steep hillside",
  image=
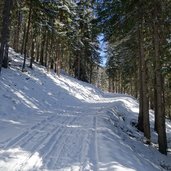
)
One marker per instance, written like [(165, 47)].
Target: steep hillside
[(50, 123)]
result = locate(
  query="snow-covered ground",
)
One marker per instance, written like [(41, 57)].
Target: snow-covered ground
[(49, 123)]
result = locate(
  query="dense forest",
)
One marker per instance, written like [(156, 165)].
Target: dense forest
[(57, 34), (64, 35)]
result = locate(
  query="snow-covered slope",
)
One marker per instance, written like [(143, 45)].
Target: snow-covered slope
[(49, 123)]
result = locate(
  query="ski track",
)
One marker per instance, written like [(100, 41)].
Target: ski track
[(55, 137), (84, 151), (95, 144), (48, 141), (57, 147), (28, 134)]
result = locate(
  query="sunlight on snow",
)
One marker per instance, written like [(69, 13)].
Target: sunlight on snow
[(75, 89), (11, 121), (131, 105), (27, 101), (13, 159), (32, 77), (114, 166), (76, 167), (72, 168), (73, 126)]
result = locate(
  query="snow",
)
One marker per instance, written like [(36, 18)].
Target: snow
[(51, 123)]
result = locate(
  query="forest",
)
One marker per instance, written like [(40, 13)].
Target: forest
[(64, 35)]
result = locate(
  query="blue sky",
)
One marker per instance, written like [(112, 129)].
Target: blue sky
[(102, 47)]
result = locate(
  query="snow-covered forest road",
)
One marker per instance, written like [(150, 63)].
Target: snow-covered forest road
[(50, 123), (77, 138), (64, 139)]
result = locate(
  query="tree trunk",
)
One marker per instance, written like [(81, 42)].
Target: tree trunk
[(23, 39), (27, 34), (140, 116), (155, 105), (110, 84), (161, 128), (91, 70), (17, 31), (6, 61), (42, 48), (46, 50), (143, 120), (37, 50), (5, 33), (32, 53), (58, 58), (79, 67)]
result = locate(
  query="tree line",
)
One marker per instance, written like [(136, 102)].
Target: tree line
[(56, 34), (139, 60)]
